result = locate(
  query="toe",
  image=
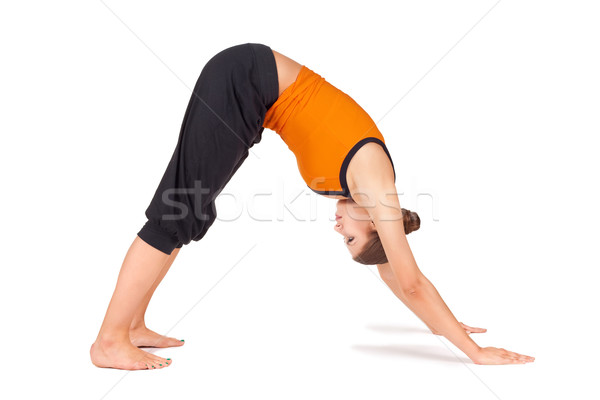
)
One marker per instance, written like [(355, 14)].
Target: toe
[(172, 342), (160, 362), (159, 359), (145, 364), (152, 364)]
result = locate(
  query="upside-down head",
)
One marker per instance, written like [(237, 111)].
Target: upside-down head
[(360, 235)]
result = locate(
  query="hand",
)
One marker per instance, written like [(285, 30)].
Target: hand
[(496, 356), (468, 329)]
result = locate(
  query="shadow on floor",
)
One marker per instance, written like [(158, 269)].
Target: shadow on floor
[(414, 351), (398, 329)]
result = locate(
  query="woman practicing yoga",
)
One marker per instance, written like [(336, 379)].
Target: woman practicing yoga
[(340, 154)]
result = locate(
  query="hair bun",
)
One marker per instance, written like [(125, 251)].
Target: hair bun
[(411, 220)]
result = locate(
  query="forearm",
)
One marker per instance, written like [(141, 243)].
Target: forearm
[(425, 301), (393, 285)]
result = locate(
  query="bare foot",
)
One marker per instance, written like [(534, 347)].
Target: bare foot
[(124, 355), (144, 337)]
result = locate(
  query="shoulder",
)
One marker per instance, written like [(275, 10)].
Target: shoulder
[(370, 169)]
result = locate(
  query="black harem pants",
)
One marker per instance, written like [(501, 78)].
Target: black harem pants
[(223, 120)]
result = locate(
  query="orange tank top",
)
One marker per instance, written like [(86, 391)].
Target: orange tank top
[(324, 128)]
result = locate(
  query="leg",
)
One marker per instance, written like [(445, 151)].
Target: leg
[(113, 348), (139, 334)]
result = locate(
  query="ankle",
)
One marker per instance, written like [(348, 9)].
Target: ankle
[(136, 325), (112, 337)]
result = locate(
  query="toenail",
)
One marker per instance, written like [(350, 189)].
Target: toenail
[(160, 365), (182, 340), (168, 358), (153, 366)]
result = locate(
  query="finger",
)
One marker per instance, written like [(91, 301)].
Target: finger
[(466, 328), (523, 357), (523, 360), (474, 329), (516, 356), (512, 359), (520, 358), (528, 358)]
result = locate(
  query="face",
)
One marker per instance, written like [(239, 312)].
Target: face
[(354, 224)]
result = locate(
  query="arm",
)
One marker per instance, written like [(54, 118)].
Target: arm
[(487, 355), (388, 278), (371, 184), (376, 192), (422, 298)]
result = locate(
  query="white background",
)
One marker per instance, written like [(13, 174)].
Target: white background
[(494, 140)]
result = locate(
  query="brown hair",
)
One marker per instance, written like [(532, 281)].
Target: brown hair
[(373, 252)]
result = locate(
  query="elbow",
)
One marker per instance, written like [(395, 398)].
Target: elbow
[(410, 291), (413, 288)]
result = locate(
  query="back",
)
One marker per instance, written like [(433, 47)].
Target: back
[(324, 127)]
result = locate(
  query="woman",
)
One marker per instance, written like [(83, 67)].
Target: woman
[(340, 153)]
